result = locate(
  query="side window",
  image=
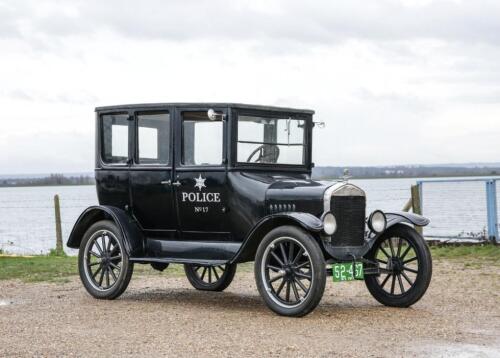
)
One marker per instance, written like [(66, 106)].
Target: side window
[(202, 139), (115, 138), (153, 138)]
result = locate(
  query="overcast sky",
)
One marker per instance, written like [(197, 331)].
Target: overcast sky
[(397, 82)]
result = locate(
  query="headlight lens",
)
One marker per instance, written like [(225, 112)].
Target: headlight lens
[(377, 221), (329, 224)]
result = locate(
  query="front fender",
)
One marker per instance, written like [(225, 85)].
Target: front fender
[(248, 249), (404, 217), (132, 234)]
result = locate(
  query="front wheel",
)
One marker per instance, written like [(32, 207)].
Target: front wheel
[(405, 266), (290, 271)]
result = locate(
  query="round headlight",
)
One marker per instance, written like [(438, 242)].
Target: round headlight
[(329, 224), (377, 221)]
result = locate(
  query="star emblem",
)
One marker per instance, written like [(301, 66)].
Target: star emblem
[(200, 182)]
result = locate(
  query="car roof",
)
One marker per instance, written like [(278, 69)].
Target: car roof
[(204, 104)]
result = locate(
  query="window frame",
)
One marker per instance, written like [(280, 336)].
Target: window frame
[(136, 161), (179, 165), (102, 160), (305, 166)]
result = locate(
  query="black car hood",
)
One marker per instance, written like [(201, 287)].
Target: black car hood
[(305, 193)]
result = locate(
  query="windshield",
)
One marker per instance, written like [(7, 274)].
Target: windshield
[(271, 140)]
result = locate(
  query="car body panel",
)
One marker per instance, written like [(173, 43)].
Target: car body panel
[(213, 213)]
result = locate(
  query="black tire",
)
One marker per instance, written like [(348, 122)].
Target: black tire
[(289, 256), (103, 264), (210, 278), (405, 264)]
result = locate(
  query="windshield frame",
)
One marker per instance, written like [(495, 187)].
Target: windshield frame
[(306, 166)]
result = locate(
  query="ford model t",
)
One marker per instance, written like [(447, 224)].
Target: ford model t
[(213, 185)]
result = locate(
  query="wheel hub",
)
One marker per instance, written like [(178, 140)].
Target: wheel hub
[(395, 264), (289, 271)]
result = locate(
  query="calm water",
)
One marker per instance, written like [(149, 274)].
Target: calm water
[(27, 214)]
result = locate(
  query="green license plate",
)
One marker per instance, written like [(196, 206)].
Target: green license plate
[(347, 271)]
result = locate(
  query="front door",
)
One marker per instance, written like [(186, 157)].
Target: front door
[(200, 175), (153, 201)]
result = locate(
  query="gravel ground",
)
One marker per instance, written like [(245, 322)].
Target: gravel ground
[(161, 315)]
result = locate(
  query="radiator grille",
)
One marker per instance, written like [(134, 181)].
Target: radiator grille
[(350, 214)]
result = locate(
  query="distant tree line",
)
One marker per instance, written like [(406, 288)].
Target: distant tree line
[(404, 172), (52, 179)]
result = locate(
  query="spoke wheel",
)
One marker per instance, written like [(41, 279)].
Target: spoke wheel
[(404, 264), (290, 271), (103, 264), (210, 278), (103, 260)]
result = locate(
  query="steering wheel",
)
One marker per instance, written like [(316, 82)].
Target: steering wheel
[(268, 153)]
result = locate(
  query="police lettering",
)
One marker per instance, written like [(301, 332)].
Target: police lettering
[(201, 197)]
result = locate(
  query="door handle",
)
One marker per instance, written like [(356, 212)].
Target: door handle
[(176, 183), (166, 182)]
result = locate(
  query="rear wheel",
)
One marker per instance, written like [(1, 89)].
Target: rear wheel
[(290, 271), (103, 264), (405, 267), (210, 278)]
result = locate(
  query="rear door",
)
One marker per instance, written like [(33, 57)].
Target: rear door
[(153, 200), (200, 175)]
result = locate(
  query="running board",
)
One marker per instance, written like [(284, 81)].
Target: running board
[(175, 260)]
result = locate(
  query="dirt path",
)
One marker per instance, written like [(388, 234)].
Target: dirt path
[(164, 316)]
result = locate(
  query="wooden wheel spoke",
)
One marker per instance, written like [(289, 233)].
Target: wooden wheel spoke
[(273, 268), (385, 280), (216, 274), (297, 257), (405, 252), (393, 284), (280, 288), (391, 247), (291, 246), (115, 278), (295, 292), (287, 291), (401, 284), (302, 275), (277, 258), (400, 241), (301, 285), (97, 272), (101, 277), (203, 273), (276, 278), (283, 253), (385, 252), (410, 269), (407, 278), (303, 264), (410, 260)]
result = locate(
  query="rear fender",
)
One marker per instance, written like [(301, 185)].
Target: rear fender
[(132, 234), (306, 221)]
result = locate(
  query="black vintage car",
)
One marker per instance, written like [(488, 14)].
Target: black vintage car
[(213, 185)]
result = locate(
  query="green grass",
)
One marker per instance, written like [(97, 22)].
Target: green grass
[(54, 268), (472, 256), (480, 252), (37, 268)]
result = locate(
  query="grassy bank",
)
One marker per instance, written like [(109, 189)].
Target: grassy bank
[(54, 268)]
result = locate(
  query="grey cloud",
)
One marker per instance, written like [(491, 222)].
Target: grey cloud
[(323, 22)]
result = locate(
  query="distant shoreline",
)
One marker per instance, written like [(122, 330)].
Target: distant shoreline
[(89, 180)]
